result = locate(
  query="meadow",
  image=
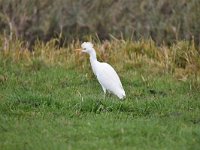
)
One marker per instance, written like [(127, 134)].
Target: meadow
[(50, 99)]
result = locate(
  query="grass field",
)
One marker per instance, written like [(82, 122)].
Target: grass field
[(53, 106)]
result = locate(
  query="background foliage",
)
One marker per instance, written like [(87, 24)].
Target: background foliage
[(162, 20)]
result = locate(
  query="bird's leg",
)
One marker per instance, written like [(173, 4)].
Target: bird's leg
[(104, 90), (104, 95)]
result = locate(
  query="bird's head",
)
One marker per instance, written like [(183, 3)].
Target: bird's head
[(86, 47)]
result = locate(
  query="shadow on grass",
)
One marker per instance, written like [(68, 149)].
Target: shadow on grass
[(34, 102), (145, 108), (102, 106)]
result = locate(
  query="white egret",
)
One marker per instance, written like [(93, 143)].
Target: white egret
[(104, 72)]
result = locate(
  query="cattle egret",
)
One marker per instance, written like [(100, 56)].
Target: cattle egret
[(104, 72)]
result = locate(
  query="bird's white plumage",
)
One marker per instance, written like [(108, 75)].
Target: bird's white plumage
[(104, 72), (109, 80)]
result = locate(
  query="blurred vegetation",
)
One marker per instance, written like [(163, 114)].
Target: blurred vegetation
[(162, 20)]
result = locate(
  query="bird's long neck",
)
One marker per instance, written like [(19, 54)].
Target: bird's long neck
[(93, 61), (93, 56)]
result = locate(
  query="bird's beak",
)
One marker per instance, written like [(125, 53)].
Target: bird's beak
[(78, 50)]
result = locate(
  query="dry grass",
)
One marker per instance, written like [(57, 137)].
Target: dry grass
[(180, 60)]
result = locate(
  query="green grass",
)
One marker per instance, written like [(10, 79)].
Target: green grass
[(55, 107)]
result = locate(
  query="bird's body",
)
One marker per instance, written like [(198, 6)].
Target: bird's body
[(104, 72)]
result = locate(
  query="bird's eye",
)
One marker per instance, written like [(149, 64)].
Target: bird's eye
[(84, 48)]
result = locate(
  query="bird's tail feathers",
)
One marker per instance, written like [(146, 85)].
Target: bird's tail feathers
[(122, 95)]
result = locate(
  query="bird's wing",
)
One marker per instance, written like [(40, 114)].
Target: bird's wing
[(108, 77)]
